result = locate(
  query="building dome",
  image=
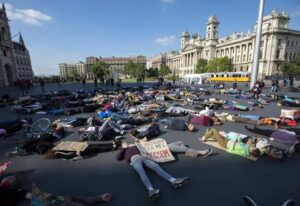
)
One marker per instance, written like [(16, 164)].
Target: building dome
[(213, 20), (185, 34)]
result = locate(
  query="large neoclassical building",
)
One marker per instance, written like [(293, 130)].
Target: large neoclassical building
[(14, 57), (278, 43)]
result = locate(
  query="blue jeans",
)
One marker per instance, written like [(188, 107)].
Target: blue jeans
[(138, 162), (179, 147)]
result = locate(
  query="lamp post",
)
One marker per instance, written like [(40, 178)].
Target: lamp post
[(257, 44)]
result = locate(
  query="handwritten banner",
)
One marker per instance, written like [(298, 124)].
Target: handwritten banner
[(156, 150)]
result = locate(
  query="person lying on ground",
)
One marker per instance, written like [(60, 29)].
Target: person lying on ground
[(177, 124), (11, 191), (69, 122), (38, 145), (132, 155), (180, 147), (204, 120), (289, 102), (280, 135), (147, 131), (234, 146), (82, 201), (107, 131)]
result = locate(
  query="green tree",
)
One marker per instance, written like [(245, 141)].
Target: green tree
[(164, 70), (130, 68), (223, 64), (74, 74), (136, 70), (152, 72), (201, 66), (100, 69), (291, 67)]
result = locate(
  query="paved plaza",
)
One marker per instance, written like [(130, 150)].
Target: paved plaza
[(217, 180)]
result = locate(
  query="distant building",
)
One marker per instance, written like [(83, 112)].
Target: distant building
[(15, 60), (158, 60), (67, 69), (116, 64), (278, 44)]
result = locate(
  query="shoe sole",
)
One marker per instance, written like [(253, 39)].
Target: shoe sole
[(182, 184), (249, 201), (155, 197)]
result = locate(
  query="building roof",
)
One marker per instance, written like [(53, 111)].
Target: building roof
[(19, 47)]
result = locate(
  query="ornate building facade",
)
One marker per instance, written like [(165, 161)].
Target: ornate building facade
[(15, 60), (116, 64), (68, 69), (278, 43)]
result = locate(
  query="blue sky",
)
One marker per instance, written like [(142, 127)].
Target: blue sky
[(58, 31)]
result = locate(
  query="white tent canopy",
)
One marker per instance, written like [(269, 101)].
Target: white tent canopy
[(195, 78)]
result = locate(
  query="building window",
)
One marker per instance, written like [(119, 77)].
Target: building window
[(244, 57), (286, 56), (294, 56), (238, 58), (292, 43), (260, 54), (277, 54), (279, 42), (290, 56), (4, 53)]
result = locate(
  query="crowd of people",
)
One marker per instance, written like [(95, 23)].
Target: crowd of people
[(142, 112)]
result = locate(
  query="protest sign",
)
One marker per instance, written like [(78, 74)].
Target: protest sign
[(71, 146), (156, 150)]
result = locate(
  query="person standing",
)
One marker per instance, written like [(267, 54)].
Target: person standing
[(95, 82), (83, 82), (42, 84)]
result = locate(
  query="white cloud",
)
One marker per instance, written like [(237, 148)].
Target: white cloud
[(165, 41), (27, 16), (296, 12), (168, 1)]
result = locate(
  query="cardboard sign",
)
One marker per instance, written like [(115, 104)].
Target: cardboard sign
[(71, 146), (288, 113), (156, 150)]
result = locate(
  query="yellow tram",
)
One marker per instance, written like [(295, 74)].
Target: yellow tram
[(230, 77)]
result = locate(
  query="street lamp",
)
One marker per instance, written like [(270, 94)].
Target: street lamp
[(257, 44)]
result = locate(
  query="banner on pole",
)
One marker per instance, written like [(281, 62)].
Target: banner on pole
[(156, 150)]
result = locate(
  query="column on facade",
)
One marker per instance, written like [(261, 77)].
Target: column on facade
[(264, 51)]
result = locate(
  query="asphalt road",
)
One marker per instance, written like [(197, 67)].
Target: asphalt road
[(221, 179)]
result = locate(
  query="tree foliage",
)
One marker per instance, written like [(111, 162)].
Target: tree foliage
[(201, 66), (152, 72), (292, 67), (74, 74), (136, 70), (164, 70), (100, 69), (223, 64)]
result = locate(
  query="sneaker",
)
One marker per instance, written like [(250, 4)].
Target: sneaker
[(209, 152), (289, 202), (119, 137), (77, 158), (291, 151), (192, 154), (180, 182), (154, 195), (202, 139), (249, 201), (65, 155)]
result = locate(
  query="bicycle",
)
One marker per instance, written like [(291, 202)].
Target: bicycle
[(30, 131), (250, 202)]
